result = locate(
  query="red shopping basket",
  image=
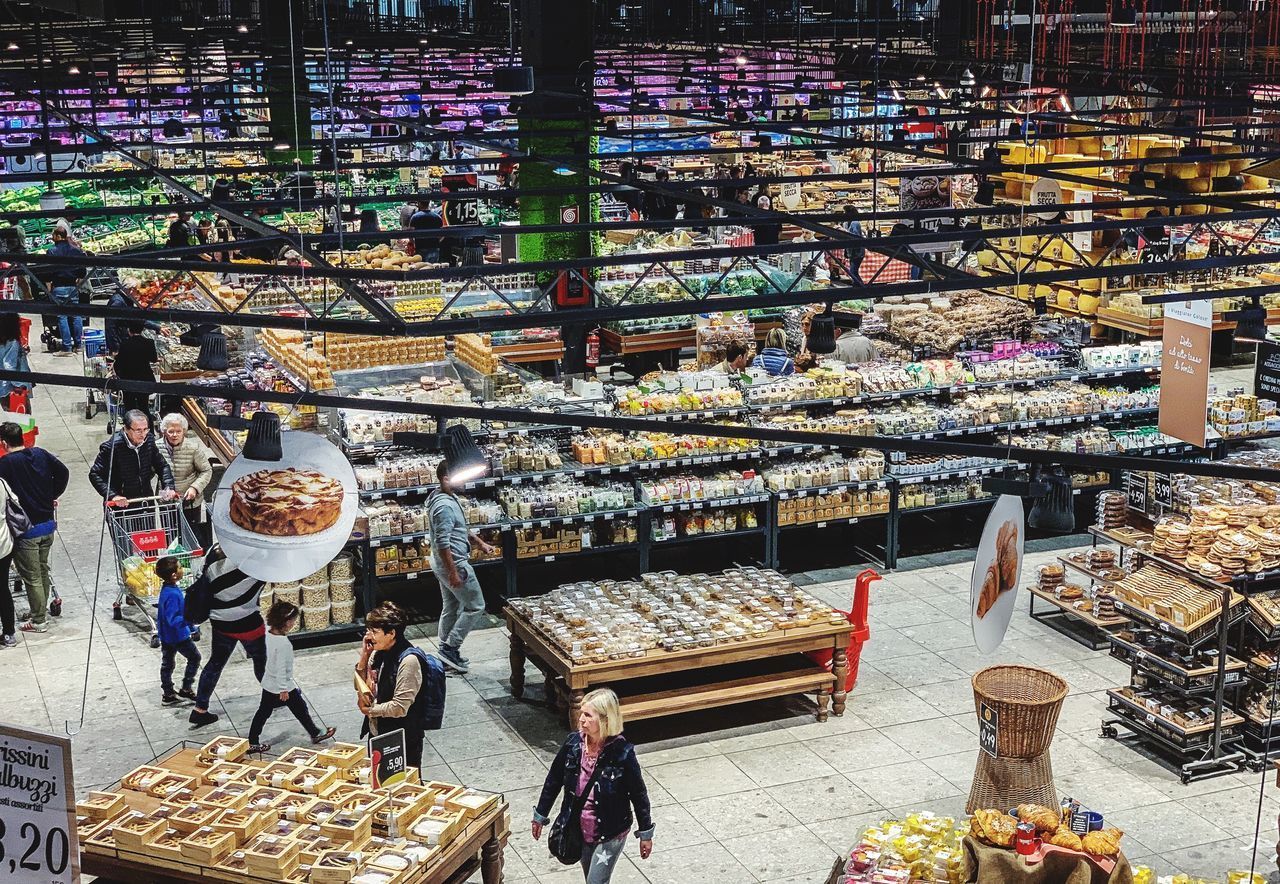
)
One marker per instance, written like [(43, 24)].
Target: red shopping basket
[(861, 631)]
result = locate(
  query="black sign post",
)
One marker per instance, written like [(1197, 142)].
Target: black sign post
[(989, 730), (388, 760), (1266, 371)]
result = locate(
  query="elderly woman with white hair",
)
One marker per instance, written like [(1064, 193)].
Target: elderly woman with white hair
[(597, 771), (189, 459)]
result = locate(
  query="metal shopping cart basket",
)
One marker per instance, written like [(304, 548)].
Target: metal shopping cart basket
[(142, 531)]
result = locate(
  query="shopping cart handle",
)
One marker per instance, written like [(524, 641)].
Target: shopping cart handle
[(136, 500)]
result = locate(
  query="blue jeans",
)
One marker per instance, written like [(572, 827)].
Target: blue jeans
[(461, 607), (71, 326), (220, 648), (598, 860), (187, 649)]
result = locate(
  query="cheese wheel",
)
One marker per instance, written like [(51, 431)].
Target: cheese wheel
[(1239, 165), (1091, 146), (1088, 304), (1193, 209), (1065, 297), (1183, 170), (1044, 291), (1257, 182), (1093, 284), (1215, 169), (1198, 185), (1013, 189), (1070, 145), (1022, 292), (1160, 151), (986, 258)]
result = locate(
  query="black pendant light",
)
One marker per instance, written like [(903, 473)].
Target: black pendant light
[(1124, 15), (1251, 322), (465, 459), (213, 351), (1054, 511), (986, 194), (822, 332), (263, 441)]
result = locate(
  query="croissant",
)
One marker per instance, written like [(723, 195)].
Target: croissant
[(1046, 821), (994, 827), (1007, 555), (990, 591), (1103, 843), (1064, 837)]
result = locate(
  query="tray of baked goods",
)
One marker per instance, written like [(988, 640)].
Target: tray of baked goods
[(1264, 615), (311, 815), (1099, 564), (1175, 604), (1085, 602), (1263, 665), (1186, 722), (1187, 670)]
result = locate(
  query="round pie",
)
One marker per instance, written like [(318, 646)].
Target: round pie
[(286, 503)]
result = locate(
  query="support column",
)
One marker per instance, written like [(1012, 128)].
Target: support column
[(556, 42)]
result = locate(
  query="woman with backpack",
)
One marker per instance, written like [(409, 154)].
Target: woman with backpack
[(398, 684)]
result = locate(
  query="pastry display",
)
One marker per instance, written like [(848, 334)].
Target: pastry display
[(286, 503), (1045, 820), (595, 622), (1064, 837), (993, 827)]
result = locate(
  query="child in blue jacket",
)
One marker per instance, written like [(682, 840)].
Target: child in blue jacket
[(175, 635)]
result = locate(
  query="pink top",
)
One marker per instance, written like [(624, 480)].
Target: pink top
[(586, 767)]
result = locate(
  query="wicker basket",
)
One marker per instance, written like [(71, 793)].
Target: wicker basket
[(1027, 700), (1002, 783)]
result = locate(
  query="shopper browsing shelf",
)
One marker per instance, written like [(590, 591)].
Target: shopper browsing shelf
[(278, 687), (129, 461), (38, 479), (736, 359), (175, 634), (773, 358), (461, 598), (597, 758), (852, 347), (64, 282), (133, 361), (398, 684), (235, 619)]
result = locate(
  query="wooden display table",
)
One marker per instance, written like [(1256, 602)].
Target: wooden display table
[(669, 682), (479, 845)]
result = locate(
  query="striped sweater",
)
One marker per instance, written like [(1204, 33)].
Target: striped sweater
[(234, 609)]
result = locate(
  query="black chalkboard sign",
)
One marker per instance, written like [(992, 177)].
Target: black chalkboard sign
[(1266, 371)]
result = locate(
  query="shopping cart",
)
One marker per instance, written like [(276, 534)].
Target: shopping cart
[(142, 531)]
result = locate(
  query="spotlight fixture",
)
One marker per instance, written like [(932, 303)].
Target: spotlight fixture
[(213, 351), (740, 115), (764, 142), (718, 105), (243, 29), (281, 145), (563, 170), (611, 126), (1125, 16), (1251, 322), (73, 70), (434, 116), (263, 441), (822, 332), (465, 459), (986, 194), (740, 60), (517, 80), (12, 47)]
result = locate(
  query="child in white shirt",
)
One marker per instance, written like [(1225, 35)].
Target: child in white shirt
[(278, 687)]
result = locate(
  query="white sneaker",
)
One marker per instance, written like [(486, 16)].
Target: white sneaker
[(8, 641)]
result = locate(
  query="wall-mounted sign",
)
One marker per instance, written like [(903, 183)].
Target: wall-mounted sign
[(1046, 192), (1083, 239), (1266, 371), (997, 567), (789, 195), (1184, 378), (569, 214), (38, 839)]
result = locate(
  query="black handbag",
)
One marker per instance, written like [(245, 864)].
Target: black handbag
[(565, 840)]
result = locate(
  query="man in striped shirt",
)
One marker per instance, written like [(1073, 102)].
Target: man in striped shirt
[(235, 618)]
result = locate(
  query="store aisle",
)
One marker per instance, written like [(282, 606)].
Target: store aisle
[(761, 793)]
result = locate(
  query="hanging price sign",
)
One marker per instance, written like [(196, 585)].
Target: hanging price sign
[(38, 843)]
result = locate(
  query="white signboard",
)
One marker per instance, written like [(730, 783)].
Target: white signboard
[(1195, 312), (997, 568), (790, 195), (38, 843), (1046, 192), (1083, 239)]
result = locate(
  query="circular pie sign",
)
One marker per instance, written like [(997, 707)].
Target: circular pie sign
[(997, 568), (293, 516)]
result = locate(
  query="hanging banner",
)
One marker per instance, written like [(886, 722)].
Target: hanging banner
[(1083, 239), (997, 567), (1184, 378), (38, 837)]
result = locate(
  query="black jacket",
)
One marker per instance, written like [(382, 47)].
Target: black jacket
[(619, 787), (129, 470)]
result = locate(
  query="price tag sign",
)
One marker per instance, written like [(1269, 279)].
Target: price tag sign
[(388, 760), (38, 843), (148, 541), (989, 730)]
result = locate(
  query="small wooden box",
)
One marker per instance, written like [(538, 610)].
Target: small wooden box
[(167, 847), (270, 855), (335, 867), (223, 748), (102, 838), (244, 824), (265, 798), (101, 805), (208, 845), (313, 780), (222, 772), (277, 775), (295, 806), (136, 830), (471, 803), (300, 756), (344, 755), (141, 778), (436, 827), (232, 796), (348, 828), (190, 817)]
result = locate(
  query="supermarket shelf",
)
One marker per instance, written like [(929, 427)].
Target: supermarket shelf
[(843, 520), (864, 485), (1085, 616), (918, 479), (689, 505), (1229, 718), (608, 548), (1093, 418), (516, 524), (306, 638), (1096, 576), (742, 532), (959, 504)]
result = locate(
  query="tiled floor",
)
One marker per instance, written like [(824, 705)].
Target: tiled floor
[(761, 793)]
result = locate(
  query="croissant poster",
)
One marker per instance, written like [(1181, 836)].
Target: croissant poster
[(1184, 379), (284, 520), (997, 568)]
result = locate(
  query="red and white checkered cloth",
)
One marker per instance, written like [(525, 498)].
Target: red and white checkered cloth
[(893, 269)]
